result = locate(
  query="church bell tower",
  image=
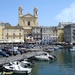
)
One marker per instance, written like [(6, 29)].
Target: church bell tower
[(35, 12), (20, 11)]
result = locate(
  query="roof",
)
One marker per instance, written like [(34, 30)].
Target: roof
[(28, 15), (13, 27), (69, 25), (4, 24)]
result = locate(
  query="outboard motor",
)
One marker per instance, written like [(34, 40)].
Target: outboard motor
[(25, 66), (26, 73), (10, 63), (54, 56), (50, 58), (32, 62)]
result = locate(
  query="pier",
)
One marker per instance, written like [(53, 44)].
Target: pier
[(4, 60)]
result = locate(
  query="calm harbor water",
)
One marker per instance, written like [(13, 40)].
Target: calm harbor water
[(64, 65)]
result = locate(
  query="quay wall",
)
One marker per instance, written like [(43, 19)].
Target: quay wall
[(18, 57)]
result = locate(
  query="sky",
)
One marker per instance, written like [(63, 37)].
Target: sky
[(50, 12)]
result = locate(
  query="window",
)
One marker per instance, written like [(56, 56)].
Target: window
[(35, 36), (19, 35), (20, 29), (39, 36), (13, 35), (28, 23), (73, 30), (38, 31), (2, 34), (36, 12), (2, 38), (2, 28), (7, 35)]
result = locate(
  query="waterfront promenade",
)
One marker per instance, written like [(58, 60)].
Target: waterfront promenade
[(33, 52), (18, 57)]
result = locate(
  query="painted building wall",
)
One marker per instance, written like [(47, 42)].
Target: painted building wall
[(1, 32), (60, 34), (14, 35)]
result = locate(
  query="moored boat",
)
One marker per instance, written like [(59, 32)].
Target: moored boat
[(72, 49), (25, 62), (17, 68), (45, 56)]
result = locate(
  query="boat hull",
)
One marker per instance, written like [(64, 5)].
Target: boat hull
[(18, 71), (42, 58), (72, 49)]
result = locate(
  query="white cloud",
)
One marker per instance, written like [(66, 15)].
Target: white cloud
[(67, 14)]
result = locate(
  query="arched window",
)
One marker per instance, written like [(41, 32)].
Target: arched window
[(28, 23), (36, 12)]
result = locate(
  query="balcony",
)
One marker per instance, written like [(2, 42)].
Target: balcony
[(73, 36), (73, 31), (13, 35)]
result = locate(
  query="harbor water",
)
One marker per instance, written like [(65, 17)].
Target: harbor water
[(64, 65)]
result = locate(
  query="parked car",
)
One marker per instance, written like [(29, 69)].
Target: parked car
[(9, 52), (4, 53), (5, 49), (1, 56), (15, 52), (24, 50), (21, 51)]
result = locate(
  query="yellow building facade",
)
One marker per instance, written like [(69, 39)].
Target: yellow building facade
[(1, 32), (2, 25), (60, 33)]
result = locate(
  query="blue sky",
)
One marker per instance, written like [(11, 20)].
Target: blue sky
[(50, 12)]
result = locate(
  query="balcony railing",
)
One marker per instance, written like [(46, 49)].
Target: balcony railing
[(13, 35), (73, 31)]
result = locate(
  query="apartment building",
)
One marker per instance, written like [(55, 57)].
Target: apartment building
[(13, 34)]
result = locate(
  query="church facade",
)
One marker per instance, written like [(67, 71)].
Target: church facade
[(28, 20)]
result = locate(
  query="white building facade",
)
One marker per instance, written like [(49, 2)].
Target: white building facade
[(13, 34), (49, 33)]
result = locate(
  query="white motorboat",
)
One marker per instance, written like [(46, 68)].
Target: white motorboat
[(60, 47), (25, 62), (17, 68), (48, 49), (45, 56), (72, 49)]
